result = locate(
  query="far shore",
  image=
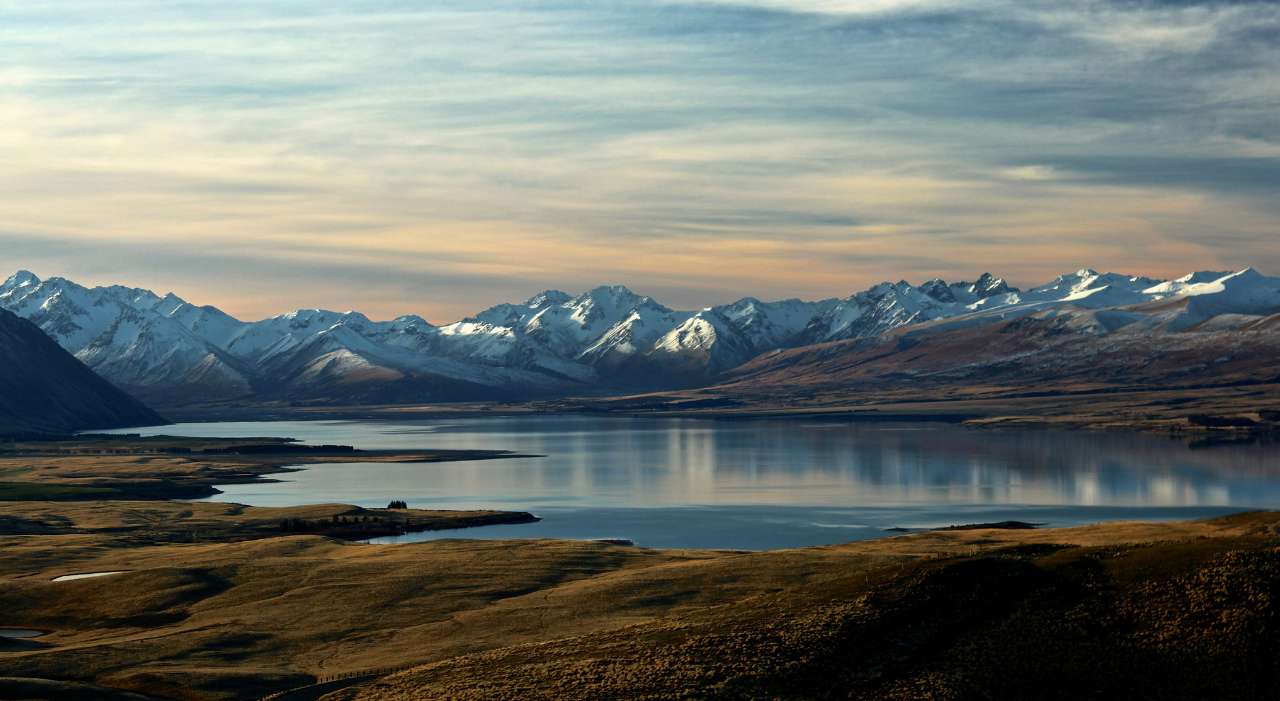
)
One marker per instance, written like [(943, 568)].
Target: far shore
[(130, 467), (1209, 413)]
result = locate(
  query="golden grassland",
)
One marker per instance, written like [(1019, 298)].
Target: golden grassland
[(1189, 619), (239, 619), (555, 619), (129, 523)]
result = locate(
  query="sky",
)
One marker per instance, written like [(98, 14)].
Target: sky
[(437, 158)]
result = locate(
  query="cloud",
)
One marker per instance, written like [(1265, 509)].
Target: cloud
[(438, 158), (848, 7)]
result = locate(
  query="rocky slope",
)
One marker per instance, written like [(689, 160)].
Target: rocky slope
[(1221, 333), (43, 388)]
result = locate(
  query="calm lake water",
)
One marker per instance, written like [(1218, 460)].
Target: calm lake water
[(682, 483)]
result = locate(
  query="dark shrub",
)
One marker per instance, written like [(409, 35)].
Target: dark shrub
[(1220, 421)]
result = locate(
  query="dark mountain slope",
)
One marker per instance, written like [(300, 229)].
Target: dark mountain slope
[(44, 388), (1057, 350)]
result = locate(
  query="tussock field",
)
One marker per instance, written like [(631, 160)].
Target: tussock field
[(947, 614), (241, 619), (1185, 620), (129, 523)]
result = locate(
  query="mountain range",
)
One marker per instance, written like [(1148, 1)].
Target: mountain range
[(607, 340)]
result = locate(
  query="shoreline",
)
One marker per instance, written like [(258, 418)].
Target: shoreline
[(501, 518), (926, 411), (131, 467), (115, 524)]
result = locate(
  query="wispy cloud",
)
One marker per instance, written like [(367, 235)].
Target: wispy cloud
[(438, 157)]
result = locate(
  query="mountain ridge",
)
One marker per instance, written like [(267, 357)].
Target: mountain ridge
[(609, 338)]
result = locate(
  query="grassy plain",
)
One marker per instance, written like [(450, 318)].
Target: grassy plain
[(1189, 619), (240, 619)]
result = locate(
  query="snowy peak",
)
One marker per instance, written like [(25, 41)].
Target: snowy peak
[(939, 291), (725, 336), (989, 286), (1184, 283), (884, 307), (412, 319), (1080, 283), (1090, 289), (133, 296), (569, 327), (547, 298), (409, 323), (769, 325), (509, 315), (604, 302), (555, 342), (638, 330), (23, 278), (1246, 292), (251, 341), (986, 286)]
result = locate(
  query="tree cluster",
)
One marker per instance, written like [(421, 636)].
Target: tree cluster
[(293, 525)]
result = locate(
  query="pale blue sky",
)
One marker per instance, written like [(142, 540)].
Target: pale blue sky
[(439, 157)]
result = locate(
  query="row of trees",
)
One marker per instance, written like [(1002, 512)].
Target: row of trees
[(290, 525)]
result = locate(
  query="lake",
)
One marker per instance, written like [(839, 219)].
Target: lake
[(754, 485)]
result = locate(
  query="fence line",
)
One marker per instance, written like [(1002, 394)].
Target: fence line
[(371, 673)]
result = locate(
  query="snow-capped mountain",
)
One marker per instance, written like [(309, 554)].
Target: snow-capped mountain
[(722, 338), (134, 338), (167, 350), (1201, 333)]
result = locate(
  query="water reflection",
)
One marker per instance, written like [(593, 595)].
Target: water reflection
[(910, 473)]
